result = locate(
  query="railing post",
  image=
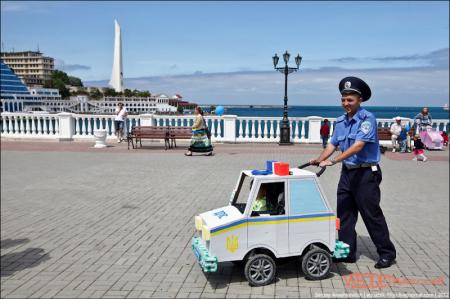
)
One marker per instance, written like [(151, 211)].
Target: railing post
[(65, 126), (146, 119), (314, 129), (229, 128)]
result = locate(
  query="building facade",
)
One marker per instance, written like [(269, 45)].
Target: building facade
[(32, 67), (10, 83)]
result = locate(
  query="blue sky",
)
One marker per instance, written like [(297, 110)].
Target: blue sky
[(220, 52)]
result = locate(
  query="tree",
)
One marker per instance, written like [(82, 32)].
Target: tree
[(95, 94), (180, 109), (212, 109), (109, 92), (60, 79), (74, 81), (57, 74), (144, 93), (128, 93), (63, 91)]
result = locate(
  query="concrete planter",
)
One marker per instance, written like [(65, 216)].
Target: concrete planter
[(100, 138)]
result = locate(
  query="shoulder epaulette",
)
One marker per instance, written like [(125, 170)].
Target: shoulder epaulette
[(363, 114)]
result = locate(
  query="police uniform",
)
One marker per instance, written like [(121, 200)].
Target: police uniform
[(358, 189)]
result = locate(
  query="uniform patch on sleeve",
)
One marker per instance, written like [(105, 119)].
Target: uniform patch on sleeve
[(366, 126)]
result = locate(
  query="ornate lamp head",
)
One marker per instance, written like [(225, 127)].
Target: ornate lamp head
[(275, 59), (286, 56)]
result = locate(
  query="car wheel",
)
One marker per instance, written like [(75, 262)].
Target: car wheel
[(260, 270), (316, 264)]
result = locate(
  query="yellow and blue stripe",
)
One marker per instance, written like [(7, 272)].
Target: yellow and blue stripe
[(271, 220)]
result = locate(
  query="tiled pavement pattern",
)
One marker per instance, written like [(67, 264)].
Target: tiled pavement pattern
[(112, 223)]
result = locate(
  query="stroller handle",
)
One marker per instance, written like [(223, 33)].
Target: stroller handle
[(310, 164)]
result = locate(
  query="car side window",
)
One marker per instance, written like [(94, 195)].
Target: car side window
[(306, 197), (270, 199)]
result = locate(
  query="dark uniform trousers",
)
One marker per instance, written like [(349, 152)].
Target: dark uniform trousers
[(359, 190)]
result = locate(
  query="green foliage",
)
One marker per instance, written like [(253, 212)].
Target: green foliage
[(60, 79), (60, 75), (74, 81), (63, 91), (95, 94), (212, 109), (109, 92), (180, 109), (127, 92), (144, 93)]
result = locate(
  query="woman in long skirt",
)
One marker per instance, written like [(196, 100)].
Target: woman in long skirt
[(200, 143)]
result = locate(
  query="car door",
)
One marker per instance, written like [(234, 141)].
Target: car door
[(309, 214), (269, 229)]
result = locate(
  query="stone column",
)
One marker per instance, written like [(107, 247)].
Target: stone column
[(314, 129), (65, 126), (229, 128)]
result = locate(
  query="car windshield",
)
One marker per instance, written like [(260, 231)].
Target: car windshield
[(240, 195)]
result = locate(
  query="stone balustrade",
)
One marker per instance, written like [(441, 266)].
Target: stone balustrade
[(226, 128)]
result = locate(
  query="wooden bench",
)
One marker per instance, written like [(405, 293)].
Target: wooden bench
[(181, 132), (147, 132), (384, 136)]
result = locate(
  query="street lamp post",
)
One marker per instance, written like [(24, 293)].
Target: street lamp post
[(285, 131)]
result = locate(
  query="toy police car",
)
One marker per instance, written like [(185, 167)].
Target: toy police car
[(296, 220)]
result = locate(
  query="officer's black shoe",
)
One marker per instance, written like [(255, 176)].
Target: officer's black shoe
[(344, 260), (384, 263)]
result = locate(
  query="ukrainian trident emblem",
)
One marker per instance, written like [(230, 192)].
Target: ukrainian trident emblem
[(232, 243)]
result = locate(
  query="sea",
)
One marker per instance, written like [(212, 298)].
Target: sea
[(333, 111)]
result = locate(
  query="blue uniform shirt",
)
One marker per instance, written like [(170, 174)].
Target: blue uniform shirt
[(362, 126)]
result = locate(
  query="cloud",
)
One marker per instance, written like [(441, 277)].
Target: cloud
[(438, 58), (346, 59), (27, 6), (7, 6), (391, 86), (61, 65)]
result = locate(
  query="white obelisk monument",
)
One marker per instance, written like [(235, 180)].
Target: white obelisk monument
[(117, 70)]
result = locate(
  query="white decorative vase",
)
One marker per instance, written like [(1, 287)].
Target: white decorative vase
[(100, 138)]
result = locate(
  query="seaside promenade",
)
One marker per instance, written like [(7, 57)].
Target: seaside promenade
[(79, 222)]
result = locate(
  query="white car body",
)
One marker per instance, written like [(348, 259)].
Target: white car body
[(229, 235)]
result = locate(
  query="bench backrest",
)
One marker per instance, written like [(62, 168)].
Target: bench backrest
[(385, 133), (180, 132), (149, 131)]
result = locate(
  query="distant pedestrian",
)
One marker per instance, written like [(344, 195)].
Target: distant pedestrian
[(325, 132), (119, 121), (419, 149), (200, 141), (423, 120)]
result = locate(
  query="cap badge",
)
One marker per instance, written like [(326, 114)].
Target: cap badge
[(348, 84)]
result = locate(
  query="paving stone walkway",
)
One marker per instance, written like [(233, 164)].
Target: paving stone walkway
[(78, 222)]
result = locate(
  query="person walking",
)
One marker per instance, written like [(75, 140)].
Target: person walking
[(359, 185), (325, 132), (200, 142), (119, 121), (419, 149)]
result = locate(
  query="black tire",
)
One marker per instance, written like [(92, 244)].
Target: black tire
[(316, 264), (260, 270)]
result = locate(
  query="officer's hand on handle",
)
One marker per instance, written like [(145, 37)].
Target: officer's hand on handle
[(325, 163), (314, 162)]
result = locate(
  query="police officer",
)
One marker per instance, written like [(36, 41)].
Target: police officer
[(358, 190)]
